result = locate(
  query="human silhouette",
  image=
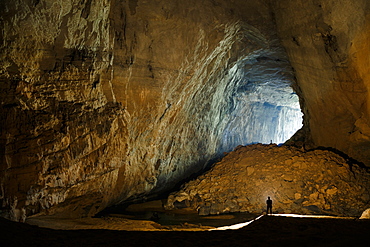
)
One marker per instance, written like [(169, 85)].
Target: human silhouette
[(269, 205), (155, 216)]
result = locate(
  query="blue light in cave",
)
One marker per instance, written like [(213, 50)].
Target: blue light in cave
[(263, 113), (271, 123)]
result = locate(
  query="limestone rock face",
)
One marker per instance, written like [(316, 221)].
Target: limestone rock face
[(327, 44), (314, 182), (61, 137), (105, 101)]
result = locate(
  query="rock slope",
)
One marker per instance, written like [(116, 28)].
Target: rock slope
[(312, 182)]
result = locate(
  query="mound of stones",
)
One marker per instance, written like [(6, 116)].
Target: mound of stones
[(304, 182)]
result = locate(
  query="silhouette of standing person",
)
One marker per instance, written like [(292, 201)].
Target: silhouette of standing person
[(269, 205)]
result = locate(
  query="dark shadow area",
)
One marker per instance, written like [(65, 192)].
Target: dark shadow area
[(169, 219), (176, 218), (267, 231), (161, 195)]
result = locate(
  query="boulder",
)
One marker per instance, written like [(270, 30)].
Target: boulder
[(365, 214)]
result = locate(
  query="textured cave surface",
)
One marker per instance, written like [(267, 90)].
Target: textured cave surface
[(303, 182), (108, 101)]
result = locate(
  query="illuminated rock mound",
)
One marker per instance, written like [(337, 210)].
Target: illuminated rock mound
[(312, 182), (365, 214)]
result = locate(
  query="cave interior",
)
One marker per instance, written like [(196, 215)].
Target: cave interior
[(109, 102)]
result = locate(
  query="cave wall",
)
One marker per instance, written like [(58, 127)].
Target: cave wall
[(327, 45), (61, 136), (107, 101)]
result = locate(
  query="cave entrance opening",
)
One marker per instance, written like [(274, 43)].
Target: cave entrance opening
[(273, 113), (266, 108)]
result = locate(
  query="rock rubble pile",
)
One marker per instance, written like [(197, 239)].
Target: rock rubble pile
[(306, 182)]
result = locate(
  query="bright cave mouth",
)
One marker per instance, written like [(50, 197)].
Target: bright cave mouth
[(273, 110), (266, 107)]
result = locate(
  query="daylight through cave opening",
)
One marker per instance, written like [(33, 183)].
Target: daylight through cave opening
[(266, 108), (274, 113)]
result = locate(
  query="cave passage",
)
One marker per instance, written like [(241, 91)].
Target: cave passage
[(109, 102), (266, 108), (274, 113)]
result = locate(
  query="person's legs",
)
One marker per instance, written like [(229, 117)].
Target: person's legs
[(269, 210)]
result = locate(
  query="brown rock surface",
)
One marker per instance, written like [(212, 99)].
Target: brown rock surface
[(312, 182), (108, 101), (327, 44), (365, 214), (105, 101)]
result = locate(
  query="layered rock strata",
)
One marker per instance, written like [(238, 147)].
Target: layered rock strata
[(313, 182), (327, 44), (107, 101)]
